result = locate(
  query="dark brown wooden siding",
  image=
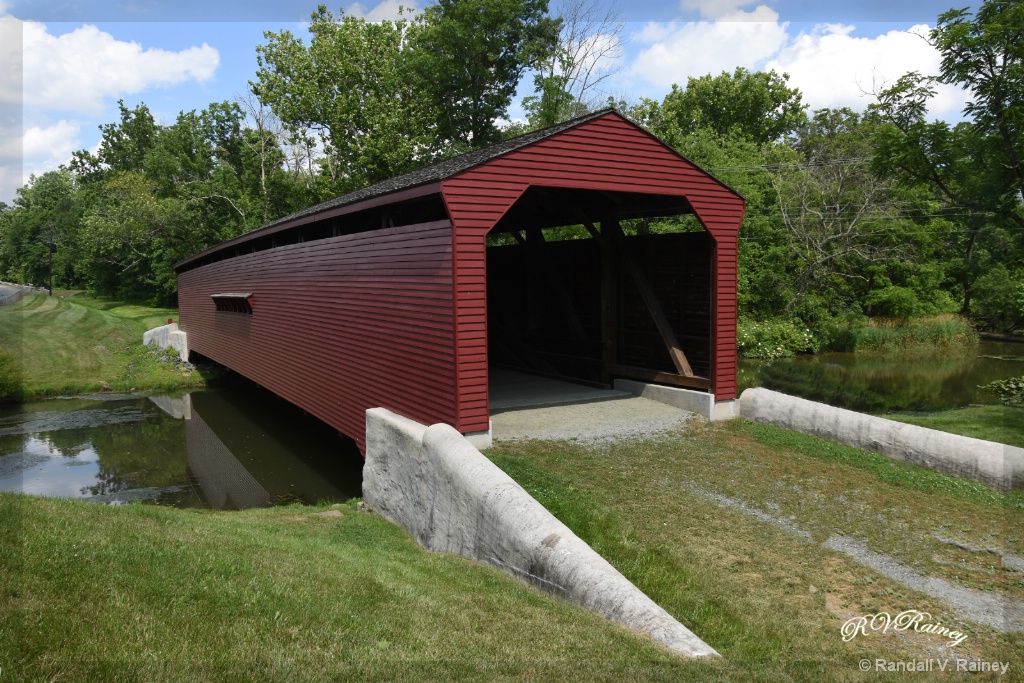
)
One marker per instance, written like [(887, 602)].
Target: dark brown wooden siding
[(339, 325), (605, 153)]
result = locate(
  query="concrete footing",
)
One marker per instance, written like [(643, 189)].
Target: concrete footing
[(167, 335), (995, 465), (482, 439), (699, 402), (435, 484)]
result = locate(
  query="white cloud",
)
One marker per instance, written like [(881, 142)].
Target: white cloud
[(834, 69), (81, 70), (830, 66), (10, 61), (37, 150), (55, 142), (677, 51), (387, 10)]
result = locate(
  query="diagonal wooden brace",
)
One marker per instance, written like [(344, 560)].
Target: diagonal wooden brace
[(612, 233)]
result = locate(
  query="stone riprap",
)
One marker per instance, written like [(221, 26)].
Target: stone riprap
[(995, 465), (432, 482), (167, 335)]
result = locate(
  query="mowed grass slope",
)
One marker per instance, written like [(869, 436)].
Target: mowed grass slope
[(82, 344), (142, 593)]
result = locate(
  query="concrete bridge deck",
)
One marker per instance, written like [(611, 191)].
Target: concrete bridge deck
[(511, 390)]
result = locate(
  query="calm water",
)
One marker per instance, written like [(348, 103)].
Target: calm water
[(239, 446), (233, 447), (880, 383)]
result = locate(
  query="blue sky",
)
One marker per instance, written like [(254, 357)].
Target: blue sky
[(77, 58)]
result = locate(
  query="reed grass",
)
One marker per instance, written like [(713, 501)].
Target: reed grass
[(890, 335)]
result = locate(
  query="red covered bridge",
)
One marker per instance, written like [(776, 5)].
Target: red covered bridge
[(403, 294)]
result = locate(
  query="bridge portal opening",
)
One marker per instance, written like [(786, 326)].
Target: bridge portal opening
[(588, 286)]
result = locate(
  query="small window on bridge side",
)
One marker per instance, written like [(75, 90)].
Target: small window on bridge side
[(233, 303)]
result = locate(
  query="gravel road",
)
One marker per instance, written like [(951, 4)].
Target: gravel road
[(627, 418)]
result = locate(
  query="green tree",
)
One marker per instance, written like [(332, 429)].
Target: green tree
[(45, 211), (567, 83), (123, 146), (758, 106), (468, 57), (1000, 298), (973, 166), (351, 87), (842, 221)]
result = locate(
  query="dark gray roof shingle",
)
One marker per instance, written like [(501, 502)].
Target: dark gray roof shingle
[(435, 172)]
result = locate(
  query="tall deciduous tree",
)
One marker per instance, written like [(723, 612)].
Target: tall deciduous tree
[(352, 88), (46, 210), (468, 57), (975, 165), (759, 106), (568, 82), (839, 217)]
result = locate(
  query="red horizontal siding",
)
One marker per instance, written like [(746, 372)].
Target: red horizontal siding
[(606, 153), (339, 325), (397, 317), (470, 290)]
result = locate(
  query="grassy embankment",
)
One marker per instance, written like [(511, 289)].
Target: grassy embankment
[(51, 346), (144, 593), (1002, 424)]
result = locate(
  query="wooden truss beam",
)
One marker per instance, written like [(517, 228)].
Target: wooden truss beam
[(612, 232)]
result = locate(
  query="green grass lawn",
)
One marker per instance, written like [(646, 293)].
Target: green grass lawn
[(287, 594), (1002, 424), (770, 600), (142, 593), (82, 344)]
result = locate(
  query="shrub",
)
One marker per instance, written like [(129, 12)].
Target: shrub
[(1010, 391), (776, 338), (908, 336)]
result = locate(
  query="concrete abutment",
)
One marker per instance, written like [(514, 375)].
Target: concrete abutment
[(434, 483)]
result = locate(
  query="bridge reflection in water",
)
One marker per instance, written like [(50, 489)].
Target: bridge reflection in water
[(246, 448)]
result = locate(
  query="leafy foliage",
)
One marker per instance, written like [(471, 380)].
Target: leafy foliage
[(999, 298), (757, 106), (350, 86), (777, 338), (568, 80), (974, 166), (1010, 391), (467, 58)]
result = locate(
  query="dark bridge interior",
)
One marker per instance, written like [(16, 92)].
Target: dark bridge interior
[(590, 303)]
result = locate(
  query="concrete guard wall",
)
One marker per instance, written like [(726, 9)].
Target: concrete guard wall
[(995, 465), (435, 484), (167, 335)]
